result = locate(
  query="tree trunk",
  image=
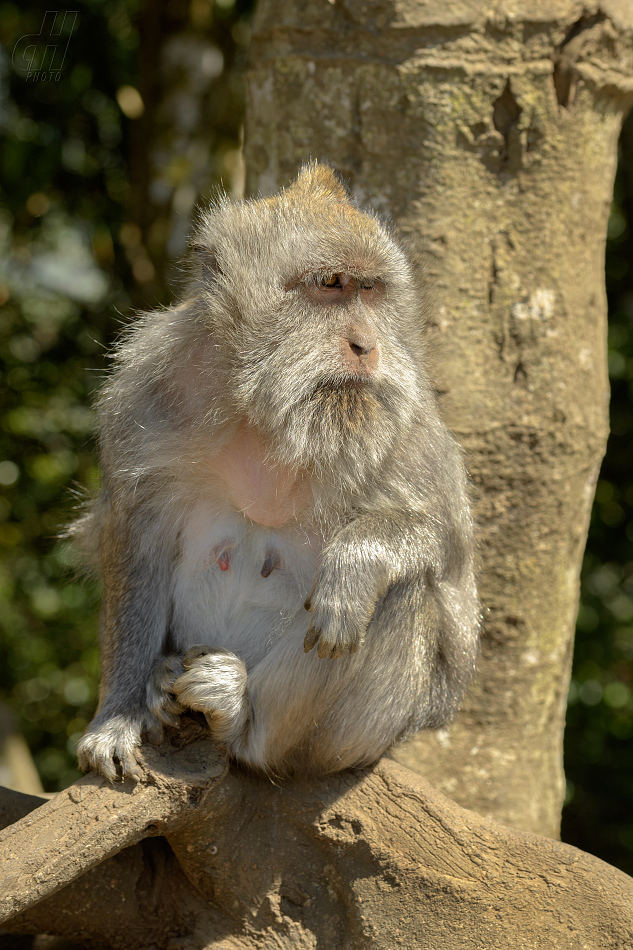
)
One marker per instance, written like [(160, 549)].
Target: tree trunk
[(490, 139), (186, 141)]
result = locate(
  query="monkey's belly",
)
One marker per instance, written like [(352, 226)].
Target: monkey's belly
[(239, 585)]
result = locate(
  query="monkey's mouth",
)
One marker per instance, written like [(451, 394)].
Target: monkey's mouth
[(346, 422), (344, 382), (352, 380), (346, 398)]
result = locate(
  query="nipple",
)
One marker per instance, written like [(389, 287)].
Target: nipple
[(271, 561)]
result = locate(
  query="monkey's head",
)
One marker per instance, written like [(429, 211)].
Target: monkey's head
[(316, 310)]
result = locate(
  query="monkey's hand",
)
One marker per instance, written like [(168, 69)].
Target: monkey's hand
[(342, 602), (109, 747)]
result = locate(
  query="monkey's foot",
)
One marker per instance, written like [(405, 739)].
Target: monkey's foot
[(214, 683), (109, 747), (161, 701)]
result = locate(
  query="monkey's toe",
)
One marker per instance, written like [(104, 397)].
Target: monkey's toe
[(110, 747), (89, 761), (112, 765), (129, 767)]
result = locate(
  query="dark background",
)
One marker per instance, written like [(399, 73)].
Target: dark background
[(100, 164)]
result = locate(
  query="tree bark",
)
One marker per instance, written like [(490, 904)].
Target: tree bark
[(488, 134), (375, 858)]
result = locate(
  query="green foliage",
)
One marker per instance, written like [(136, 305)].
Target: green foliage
[(62, 172), (69, 262), (599, 813)]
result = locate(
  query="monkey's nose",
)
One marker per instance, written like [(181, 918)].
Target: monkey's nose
[(361, 341), (360, 350)]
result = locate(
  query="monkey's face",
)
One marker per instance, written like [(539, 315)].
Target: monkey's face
[(315, 306), (326, 373)]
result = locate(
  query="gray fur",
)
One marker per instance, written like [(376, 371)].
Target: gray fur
[(274, 440)]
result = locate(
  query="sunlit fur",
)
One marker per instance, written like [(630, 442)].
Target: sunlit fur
[(253, 461)]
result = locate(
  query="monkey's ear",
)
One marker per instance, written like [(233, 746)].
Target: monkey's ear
[(317, 177)]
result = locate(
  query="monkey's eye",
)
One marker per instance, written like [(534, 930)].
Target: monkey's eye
[(333, 281), (366, 285)]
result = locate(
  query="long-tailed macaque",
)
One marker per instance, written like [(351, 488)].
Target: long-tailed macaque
[(283, 533)]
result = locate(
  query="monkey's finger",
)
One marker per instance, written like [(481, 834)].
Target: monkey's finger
[(166, 717), (163, 705), (325, 648), (171, 706), (171, 666), (338, 651), (155, 733), (310, 640), (308, 601)]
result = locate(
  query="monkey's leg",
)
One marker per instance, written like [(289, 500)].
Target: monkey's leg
[(330, 714), (137, 561), (297, 710), (410, 674), (260, 716), (268, 719)]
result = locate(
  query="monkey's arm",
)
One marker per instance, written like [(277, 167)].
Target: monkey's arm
[(135, 561), (372, 554)]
